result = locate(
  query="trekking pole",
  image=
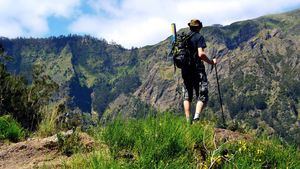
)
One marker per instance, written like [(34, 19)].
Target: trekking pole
[(220, 97)]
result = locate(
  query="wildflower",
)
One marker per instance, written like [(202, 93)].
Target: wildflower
[(258, 160), (259, 151), (203, 166), (243, 147), (218, 160)]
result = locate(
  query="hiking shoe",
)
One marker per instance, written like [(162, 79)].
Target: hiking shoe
[(196, 120)]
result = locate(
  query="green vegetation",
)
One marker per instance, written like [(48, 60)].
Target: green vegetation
[(10, 129), (262, 153), (24, 101), (70, 144), (21, 100), (165, 141), (51, 121)]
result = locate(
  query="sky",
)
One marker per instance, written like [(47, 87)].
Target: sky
[(131, 23)]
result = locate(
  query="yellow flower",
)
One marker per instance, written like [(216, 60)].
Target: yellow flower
[(203, 166), (259, 151), (244, 147), (218, 160)]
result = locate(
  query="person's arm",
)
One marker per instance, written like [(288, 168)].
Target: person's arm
[(203, 57)]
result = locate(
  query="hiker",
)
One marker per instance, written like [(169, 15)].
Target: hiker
[(194, 76)]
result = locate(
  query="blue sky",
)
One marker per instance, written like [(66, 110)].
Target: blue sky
[(126, 22)]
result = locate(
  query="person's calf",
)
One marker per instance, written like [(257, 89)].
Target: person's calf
[(186, 105), (199, 108)]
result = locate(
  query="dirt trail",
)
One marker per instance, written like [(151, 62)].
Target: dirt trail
[(35, 153)]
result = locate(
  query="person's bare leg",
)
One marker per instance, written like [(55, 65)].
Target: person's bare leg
[(186, 105), (199, 108)]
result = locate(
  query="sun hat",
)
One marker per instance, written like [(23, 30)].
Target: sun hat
[(195, 23)]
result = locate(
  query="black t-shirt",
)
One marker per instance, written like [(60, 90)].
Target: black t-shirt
[(196, 41)]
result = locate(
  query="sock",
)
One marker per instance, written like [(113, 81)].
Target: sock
[(196, 115), (188, 118)]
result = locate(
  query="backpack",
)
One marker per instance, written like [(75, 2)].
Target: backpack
[(181, 52)]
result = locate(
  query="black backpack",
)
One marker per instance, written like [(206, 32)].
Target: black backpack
[(181, 52)]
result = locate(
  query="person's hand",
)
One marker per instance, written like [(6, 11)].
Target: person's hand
[(215, 61)]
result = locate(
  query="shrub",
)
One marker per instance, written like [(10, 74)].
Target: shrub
[(70, 144), (10, 129)]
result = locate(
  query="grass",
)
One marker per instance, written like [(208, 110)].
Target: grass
[(48, 126), (10, 129), (166, 141), (51, 123), (262, 153)]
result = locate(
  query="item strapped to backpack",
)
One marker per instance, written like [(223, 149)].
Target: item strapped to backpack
[(180, 50)]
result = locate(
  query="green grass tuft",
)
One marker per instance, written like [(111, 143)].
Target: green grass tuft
[(10, 129), (166, 141)]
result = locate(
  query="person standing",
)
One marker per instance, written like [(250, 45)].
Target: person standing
[(194, 75)]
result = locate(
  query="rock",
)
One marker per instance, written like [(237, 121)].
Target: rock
[(223, 135)]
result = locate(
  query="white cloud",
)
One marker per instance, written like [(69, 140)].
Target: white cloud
[(29, 17), (128, 22), (143, 22)]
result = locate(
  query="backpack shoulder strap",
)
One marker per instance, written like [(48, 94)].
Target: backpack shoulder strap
[(189, 36)]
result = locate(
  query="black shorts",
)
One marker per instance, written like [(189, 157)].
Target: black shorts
[(198, 82)]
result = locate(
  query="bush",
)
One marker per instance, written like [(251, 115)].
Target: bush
[(10, 129), (70, 144)]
